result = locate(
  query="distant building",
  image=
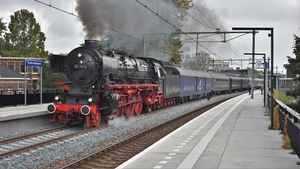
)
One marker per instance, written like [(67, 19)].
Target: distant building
[(186, 56), (220, 66), (10, 81), (12, 75)]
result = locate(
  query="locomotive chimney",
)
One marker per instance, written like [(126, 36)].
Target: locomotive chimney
[(92, 43)]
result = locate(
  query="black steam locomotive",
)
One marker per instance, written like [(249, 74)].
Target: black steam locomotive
[(98, 81)]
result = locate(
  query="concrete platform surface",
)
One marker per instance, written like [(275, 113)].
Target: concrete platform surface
[(233, 135), (18, 112)]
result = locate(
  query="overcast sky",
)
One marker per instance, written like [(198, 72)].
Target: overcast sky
[(64, 32), (283, 16)]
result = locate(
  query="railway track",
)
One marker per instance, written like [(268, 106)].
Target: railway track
[(116, 154), (24, 144), (33, 141), (5, 141)]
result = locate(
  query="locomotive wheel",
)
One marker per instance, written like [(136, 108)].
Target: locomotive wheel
[(154, 107), (97, 119), (166, 104), (129, 110), (119, 112), (62, 119), (138, 108), (162, 106), (149, 110)]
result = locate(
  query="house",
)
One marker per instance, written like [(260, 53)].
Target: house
[(12, 72), (11, 82)]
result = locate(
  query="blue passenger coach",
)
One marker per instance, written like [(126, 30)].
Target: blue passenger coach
[(235, 83), (220, 83), (194, 84)]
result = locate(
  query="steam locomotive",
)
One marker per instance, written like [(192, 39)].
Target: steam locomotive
[(104, 85)]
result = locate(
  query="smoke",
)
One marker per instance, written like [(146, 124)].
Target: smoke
[(93, 24), (124, 23), (118, 121), (204, 14)]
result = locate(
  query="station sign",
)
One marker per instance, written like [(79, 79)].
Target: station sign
[(37, 63), (258, 64), (34, 63), (266, 64)]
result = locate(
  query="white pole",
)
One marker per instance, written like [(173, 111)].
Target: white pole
[(25, 86), (41, 88), (266, 89), (18, 87)]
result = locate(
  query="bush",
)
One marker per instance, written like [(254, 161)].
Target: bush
[(287, 100)]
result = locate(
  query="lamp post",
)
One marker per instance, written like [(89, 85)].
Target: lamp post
[(265, 74), (272, 60)]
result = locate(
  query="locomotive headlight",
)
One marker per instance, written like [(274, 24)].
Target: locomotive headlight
[(56, 98), (79, 55), (90, 100)]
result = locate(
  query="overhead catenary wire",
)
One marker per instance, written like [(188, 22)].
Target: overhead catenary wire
[(228, 43), (235, 51)]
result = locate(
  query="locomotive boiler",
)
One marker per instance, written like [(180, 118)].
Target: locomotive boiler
[(103, 85)]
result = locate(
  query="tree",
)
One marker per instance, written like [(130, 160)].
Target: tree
[(49, 78), (173, 47), (201, 61), (2, 42), (174, 43), (294, 66), (2, 26), (184, 4), (294, 63), (2, 45), (25, 38)]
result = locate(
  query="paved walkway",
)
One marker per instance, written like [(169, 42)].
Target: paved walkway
[(233, 135)]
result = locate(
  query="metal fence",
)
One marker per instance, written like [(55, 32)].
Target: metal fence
[(292, 125)]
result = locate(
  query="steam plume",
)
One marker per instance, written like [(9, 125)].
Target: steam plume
[(94, 25), (129, 17)]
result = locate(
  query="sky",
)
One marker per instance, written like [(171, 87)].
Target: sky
[(64, 32), (283, 16)]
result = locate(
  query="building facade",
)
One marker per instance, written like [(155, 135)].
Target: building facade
[(10, 83)]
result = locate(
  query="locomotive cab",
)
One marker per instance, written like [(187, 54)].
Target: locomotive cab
[(159, 73)]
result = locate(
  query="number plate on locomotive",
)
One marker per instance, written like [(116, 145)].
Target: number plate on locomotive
[(80, 66)]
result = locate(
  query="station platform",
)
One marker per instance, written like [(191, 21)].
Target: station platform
[(232, 135), (20, 118), (18, 112)]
